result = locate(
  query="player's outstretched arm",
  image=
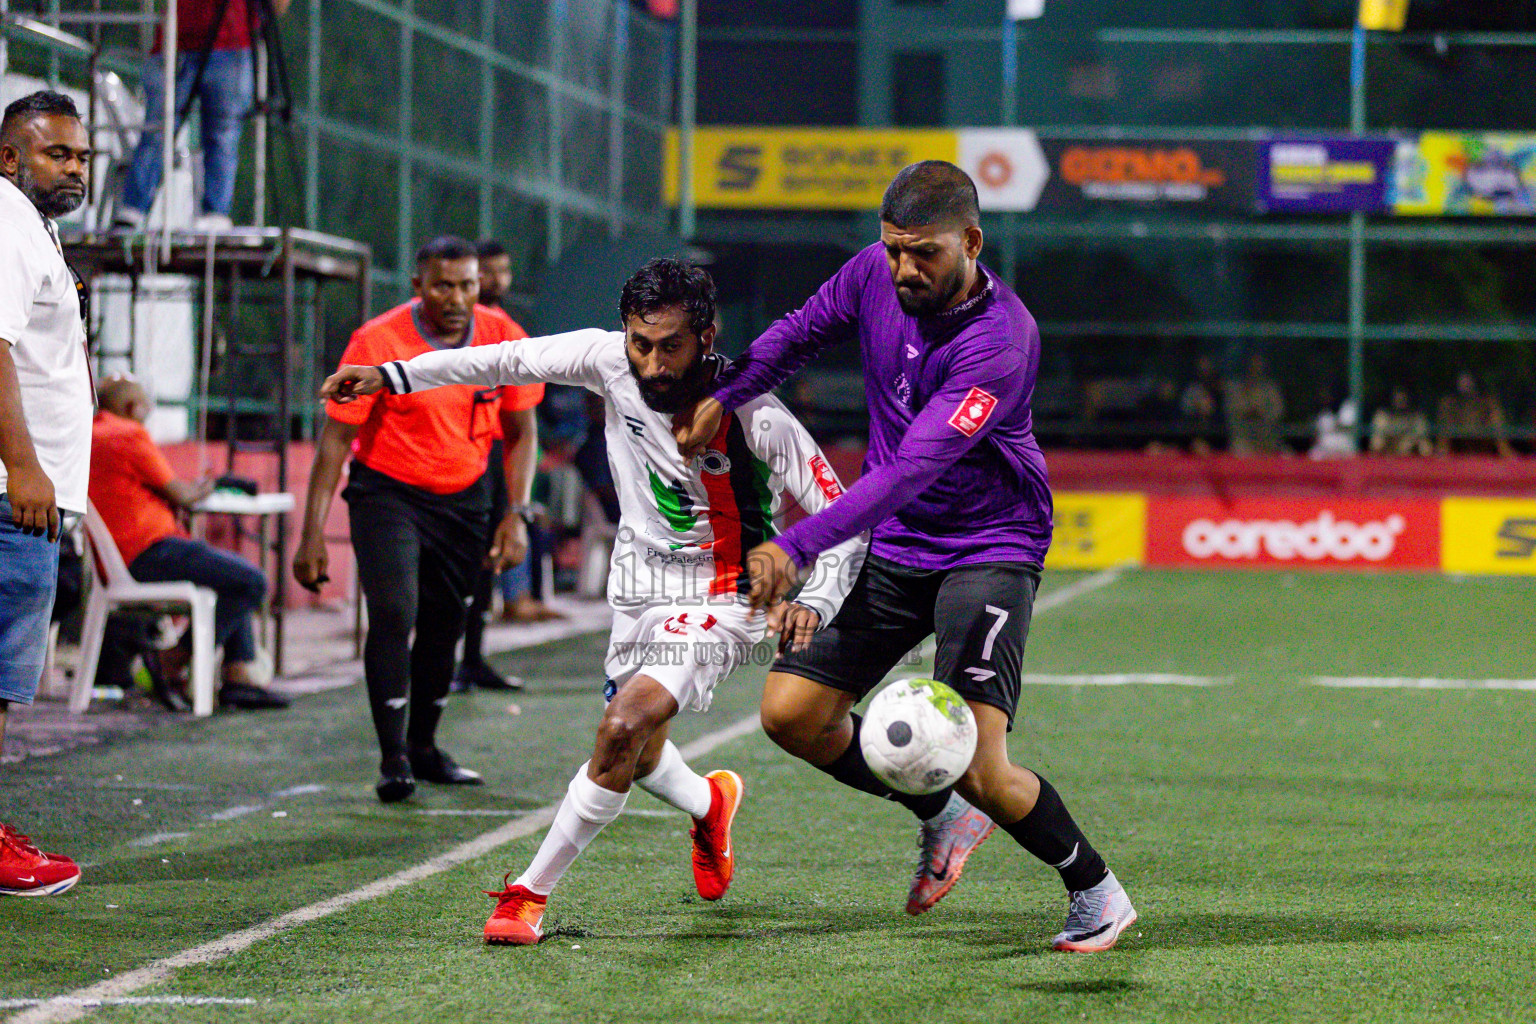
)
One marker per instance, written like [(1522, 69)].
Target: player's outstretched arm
[(580, 358)]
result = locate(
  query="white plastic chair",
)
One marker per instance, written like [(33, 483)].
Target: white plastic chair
[(113, 588)]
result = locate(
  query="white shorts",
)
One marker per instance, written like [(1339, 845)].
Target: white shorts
[(687, 648)]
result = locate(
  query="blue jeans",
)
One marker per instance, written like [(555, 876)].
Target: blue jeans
[(29, 572), (224, 97), (240, 585)]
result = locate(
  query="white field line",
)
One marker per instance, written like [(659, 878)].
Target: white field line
[(1123, 679), (76, 1004), (1415, 683), (91, 1004), (1077, 588)]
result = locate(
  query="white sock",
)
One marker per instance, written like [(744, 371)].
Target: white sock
[(587, 807), (673, 782)]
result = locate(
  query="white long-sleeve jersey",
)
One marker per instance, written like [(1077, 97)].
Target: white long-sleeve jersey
[(685, 525)]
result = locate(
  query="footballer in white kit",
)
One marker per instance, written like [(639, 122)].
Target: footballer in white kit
[(676, 582)]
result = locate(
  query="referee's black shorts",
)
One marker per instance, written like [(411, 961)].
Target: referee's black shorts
[(979, 615)]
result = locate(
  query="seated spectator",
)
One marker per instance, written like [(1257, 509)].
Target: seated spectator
[(1472, 422), (1203, 405), (1335, 426), (137, 495), (1399, 428), (1159, 415), (1255, 408)]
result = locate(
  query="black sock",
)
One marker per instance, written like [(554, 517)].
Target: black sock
[(474, 622), (851, 769), (1049, 833)]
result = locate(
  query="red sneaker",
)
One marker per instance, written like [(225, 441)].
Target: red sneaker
[(26, 843), (27, 871), (713, 861), (517, 917)]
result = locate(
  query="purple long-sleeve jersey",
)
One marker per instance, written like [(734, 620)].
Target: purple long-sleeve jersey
[(953, 475)]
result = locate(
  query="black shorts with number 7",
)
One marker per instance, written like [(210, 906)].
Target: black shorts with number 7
[(979, 615)]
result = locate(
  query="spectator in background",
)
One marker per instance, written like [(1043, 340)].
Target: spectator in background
[(1160, 416), (214, 53), (137, 495), (1204, 407), (1255, 408), (473, 670), (1335, 426), (1471, 422), (1400, 429)]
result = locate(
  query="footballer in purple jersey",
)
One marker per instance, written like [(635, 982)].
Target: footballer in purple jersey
[(956, 499)]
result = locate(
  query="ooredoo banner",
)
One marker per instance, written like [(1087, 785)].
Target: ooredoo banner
[(1299, 533)]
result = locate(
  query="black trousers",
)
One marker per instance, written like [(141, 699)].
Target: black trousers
[(417, 557)]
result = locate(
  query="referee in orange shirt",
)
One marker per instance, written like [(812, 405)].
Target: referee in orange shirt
[(418, 507)]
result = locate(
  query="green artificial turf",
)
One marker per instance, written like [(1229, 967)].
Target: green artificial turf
[(1296, 853)]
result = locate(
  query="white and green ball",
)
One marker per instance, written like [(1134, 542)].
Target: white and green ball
[(918, 736)]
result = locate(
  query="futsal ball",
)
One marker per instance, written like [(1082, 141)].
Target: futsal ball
[(918, 736)]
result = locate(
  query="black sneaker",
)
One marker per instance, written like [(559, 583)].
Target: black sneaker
[(476, 673), (251, 698), (395, 780), (432, 765)]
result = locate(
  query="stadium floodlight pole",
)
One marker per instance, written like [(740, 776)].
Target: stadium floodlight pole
[(1010, 118), (259, 139), (167, 128), (687, 89), (1356, 298)]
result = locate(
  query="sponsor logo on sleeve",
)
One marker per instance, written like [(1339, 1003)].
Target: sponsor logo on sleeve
[(973, 412), (825, 478)]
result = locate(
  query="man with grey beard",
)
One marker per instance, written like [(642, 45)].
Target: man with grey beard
[(46, 405)]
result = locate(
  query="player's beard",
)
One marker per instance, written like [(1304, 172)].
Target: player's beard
[(677, 393), (936, 299), (54, 202)]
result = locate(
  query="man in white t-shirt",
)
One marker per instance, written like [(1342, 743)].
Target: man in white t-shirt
[(46, 404)]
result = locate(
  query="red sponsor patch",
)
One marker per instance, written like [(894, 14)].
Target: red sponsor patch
[(973, 412), (679, 623), (825, 478)]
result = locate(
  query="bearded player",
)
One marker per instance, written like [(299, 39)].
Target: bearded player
[(677, 584), (956, 495)]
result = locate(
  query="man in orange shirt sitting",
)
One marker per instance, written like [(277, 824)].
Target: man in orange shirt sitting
[(137, 493), (419, 508)]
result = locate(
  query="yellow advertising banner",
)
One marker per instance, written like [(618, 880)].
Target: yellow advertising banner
[(1467, 174), (1384, 15), (1488, 536), (800, 168), (1098, 530)]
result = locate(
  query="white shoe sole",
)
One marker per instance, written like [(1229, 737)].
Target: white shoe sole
[(1097, 944), (43, 890)]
